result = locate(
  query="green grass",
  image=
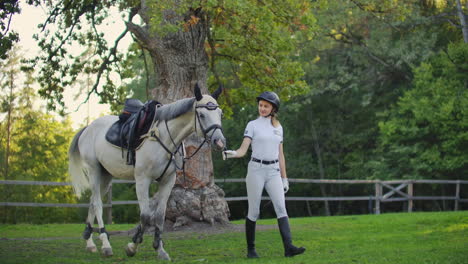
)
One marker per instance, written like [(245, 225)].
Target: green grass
[(428, 238)]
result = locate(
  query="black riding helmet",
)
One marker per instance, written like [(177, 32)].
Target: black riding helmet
[(270, 97)]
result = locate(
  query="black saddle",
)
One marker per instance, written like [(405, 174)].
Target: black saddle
[(134, 121)]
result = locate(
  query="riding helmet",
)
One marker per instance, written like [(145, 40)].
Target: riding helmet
[(271, 97)]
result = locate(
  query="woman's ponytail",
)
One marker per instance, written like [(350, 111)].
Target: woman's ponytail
[(274, 120)]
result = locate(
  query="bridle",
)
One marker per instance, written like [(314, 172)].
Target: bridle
[(210, 106)]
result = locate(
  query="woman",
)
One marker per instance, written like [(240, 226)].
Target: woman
[(267, 169)]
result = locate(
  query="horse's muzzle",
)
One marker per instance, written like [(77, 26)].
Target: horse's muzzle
[(219, 144), (217, 139)]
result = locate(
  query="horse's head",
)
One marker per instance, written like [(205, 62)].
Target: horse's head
[(208, 118)]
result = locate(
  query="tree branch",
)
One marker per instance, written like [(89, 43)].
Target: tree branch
[(105, 66), (8, 25), (143, 11), (140, 33), (54, 52), (101, 46), (352, 40), (363, 8), (112, 53), (372, 12), (75, 22), (54, 13)]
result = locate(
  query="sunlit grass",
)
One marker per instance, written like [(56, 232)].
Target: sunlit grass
[(388, 238)]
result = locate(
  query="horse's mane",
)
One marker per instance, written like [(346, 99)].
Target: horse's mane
[(175, 109)]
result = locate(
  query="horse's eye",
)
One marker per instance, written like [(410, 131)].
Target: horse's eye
[(202, 116)]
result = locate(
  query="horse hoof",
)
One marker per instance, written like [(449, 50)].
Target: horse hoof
[(107, 252), (164, 256), (91, 249), (130, 249)]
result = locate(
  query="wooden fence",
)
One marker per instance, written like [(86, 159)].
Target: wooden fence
[(384, 191)]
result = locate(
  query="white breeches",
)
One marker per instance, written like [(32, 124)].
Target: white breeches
[(261, 176)]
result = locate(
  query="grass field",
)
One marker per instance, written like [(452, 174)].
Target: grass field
[(414, 238)]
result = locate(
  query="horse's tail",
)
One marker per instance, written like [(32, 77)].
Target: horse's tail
[(77, 174)]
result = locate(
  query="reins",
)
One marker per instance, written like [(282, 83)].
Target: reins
[(209, 106)]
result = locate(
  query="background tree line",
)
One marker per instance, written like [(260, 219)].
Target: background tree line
[(33, 147), (388, 100), (384, 96)]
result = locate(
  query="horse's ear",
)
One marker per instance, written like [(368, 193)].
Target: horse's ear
[(198, 94), (216, 93)]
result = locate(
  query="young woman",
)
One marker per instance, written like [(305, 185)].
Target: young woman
[(266, 169)]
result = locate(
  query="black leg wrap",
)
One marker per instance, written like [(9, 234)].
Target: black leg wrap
[(250, 237), (144, 223), (138, 237), (289, 249), (157, 239), (88, 231)]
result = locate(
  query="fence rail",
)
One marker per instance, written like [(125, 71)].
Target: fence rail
[(378, 196)]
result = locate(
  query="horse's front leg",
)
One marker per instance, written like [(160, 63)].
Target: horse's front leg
[(164, 191), (142, 189)]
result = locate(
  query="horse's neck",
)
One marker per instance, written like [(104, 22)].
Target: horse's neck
[(178, 128)]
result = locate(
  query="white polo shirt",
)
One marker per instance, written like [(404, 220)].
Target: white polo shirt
[(265, 138)]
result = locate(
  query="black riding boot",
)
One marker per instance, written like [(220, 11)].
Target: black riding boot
[(250, 235), (289, 249)]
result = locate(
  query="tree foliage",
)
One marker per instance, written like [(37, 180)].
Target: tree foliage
[(254, 38), (39, 153), (426, 135), (38, 146), (7, 37)]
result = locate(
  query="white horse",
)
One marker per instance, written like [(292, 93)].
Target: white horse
[(93, 162)]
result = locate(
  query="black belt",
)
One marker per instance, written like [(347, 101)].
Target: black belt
[(266, 162)]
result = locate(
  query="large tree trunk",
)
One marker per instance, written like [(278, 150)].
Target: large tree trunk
[(180, 61)]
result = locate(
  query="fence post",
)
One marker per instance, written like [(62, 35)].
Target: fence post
[(109, 209), (410, 197), (308, 208), (378, 196), (457, 195)]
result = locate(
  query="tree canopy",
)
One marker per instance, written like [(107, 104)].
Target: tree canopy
[(251, 41)]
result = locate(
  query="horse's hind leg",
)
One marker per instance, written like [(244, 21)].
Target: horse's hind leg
[(88, 232), (99, 184), (165, 188)]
